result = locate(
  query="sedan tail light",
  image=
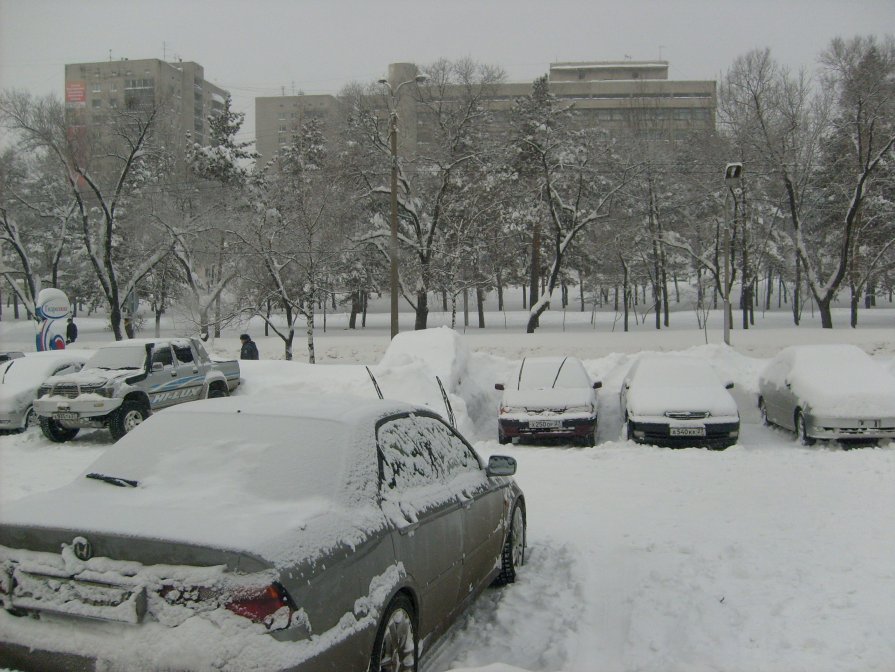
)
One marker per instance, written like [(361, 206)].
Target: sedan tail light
[(270, 605)]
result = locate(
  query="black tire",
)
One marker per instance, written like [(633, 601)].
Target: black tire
[(56, 432), (590, 440), (513, 554), (126, 418), (396, 648), (217, 391), (30, 420), (502, 439), (629, 429), (763, 412), (802, 430)]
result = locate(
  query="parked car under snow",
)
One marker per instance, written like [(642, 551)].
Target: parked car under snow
[(20, 378), (828, 392), (549, 398), (678, 401), (306, 533)]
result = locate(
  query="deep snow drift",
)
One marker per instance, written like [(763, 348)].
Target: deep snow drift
[(766, 556)]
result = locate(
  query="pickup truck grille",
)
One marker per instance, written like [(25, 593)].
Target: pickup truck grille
[(69, 390)]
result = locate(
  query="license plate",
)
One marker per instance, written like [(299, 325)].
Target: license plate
[(65, 416), (89, 599), (544, 424), (687, 431)]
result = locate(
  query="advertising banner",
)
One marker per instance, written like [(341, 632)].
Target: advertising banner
[(76, 93), (52, 309)]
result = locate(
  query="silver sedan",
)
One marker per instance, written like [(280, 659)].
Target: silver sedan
[(828, 392), (307, 533), (20, 377)]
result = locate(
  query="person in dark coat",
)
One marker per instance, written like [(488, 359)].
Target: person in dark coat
[(249, 349), (71, 331)]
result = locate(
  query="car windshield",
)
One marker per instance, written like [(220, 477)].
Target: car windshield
[(675, 372), (542, 374), (125, 357)]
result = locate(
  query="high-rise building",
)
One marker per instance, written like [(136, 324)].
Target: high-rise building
[(95, 93), (615, 95)]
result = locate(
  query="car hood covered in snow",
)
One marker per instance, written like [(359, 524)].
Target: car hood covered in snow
[(556, 399), (645, 400)]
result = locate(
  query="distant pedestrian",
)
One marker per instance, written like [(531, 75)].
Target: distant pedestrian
[(71, 331), (249, 349)]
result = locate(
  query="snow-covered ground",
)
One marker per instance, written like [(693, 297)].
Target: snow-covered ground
[(767, 556)]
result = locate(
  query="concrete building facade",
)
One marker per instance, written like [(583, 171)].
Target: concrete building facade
[(614, 95), (96, 92)]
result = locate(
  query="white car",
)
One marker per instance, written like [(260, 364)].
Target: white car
[(828, 392), (549, 397), (22, 376), (678, 401)]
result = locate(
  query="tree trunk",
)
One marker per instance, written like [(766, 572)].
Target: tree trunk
[(480, 300), (534, 273), (422, 309)]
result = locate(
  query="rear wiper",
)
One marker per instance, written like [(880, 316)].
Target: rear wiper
[(115, 480)]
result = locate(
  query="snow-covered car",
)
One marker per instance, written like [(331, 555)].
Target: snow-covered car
[(309, 532), (20, 378), (678, 401), (827, 392), (123, 383), (547, 398)]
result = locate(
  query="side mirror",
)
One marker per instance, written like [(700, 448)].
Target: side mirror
[(728, 385), (598, 384), (501, 465), (498, 386)]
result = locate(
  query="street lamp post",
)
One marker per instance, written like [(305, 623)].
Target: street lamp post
[(732, 174), (393, 243)]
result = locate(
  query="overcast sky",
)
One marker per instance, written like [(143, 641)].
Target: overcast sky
[(265, 47)]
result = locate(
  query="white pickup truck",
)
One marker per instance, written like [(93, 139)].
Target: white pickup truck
[(124, 382)]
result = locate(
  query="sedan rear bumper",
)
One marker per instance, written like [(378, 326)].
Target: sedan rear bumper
[(846, 428)]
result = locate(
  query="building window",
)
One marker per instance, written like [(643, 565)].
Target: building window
[(113, 86), (113, 102), (97, 87), (96, 103)]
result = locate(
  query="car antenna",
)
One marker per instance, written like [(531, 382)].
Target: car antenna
[(519, 382), (375, 384)]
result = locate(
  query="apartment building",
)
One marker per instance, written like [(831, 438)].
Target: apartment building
[(96, 92), (615, 95)]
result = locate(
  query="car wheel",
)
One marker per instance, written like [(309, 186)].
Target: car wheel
[(590, 440), (396, 646), (30, 420), (217, 391), (513, 554), (763, 412), (629, 430), (56, 432), (502, 439), (802, 430), (126, 418)]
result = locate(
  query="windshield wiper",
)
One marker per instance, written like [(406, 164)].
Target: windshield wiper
[(114, 480)]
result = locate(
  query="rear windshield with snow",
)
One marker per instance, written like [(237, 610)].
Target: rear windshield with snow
[(202, 456), (542, 375)]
